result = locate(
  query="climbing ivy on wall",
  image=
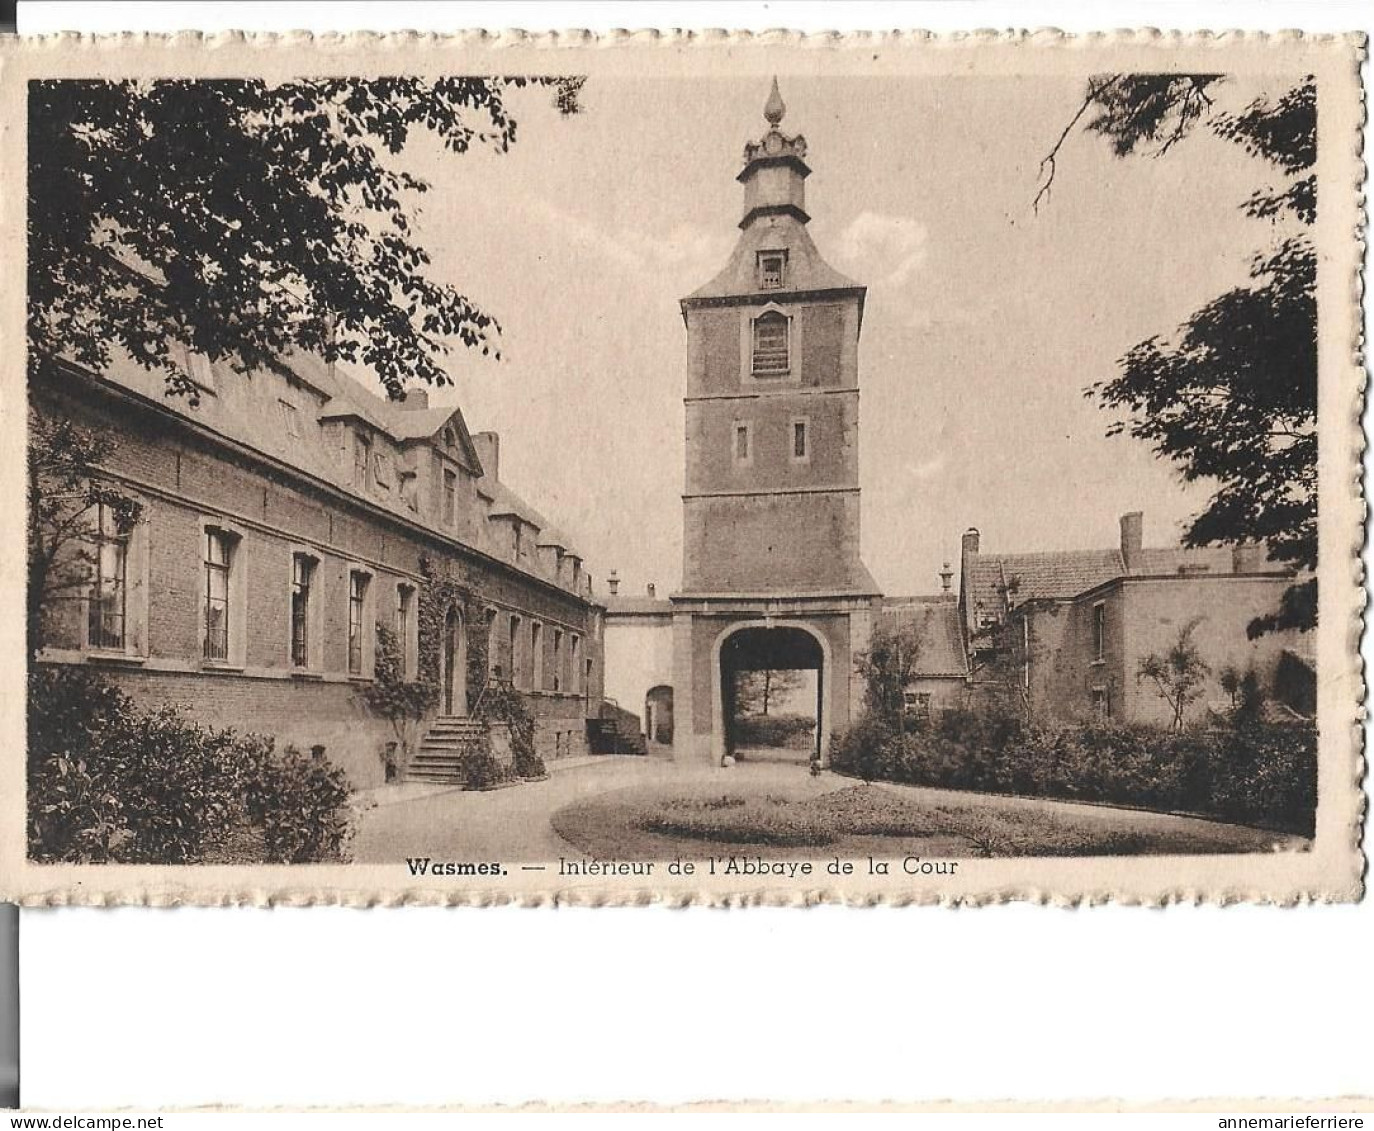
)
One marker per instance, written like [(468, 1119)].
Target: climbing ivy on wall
[(439, 593)]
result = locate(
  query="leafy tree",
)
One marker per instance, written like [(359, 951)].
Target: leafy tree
[(65, 490), (756, 692), (1232, 399), (1177, 673), (888, 667), (245, 220)]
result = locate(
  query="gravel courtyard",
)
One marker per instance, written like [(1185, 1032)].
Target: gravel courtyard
[(613, 807)]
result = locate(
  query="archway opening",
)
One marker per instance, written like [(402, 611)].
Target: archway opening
[(771, 682), (658, 716), (453, 679)]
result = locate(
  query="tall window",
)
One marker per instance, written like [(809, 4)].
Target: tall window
[(1100, 631), (109, 590), (772, 269), (362, 456), (800, 441), (219, 551), (770, 345), (450, 496), (537, 655), (575, 660), (515, 650), (302, 576), (357, 598), (743, 446), (558, 659), (405, 618)]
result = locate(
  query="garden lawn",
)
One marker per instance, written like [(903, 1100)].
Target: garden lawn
[(789, 815)]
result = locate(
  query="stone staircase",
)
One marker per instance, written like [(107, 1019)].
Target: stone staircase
[(615, 731), (438, 757)]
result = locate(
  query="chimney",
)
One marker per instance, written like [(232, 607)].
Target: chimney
[(613, 583), (1247, 557), (415, 399), (652, 591), (970, 542), (946, 576), (1132, 537), (488, 445)]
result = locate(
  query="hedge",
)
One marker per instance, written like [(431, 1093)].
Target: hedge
[(1259, 775)]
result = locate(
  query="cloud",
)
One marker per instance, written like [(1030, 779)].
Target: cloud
[(892, 246), (679, 249)]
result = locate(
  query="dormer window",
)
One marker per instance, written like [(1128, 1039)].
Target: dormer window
[(772, 267), (771, 354), (362, 456)]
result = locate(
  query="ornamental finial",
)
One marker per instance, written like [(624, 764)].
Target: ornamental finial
[(775, 107)]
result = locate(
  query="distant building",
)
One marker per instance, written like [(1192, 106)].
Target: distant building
[(1077, 624), (285, 517)]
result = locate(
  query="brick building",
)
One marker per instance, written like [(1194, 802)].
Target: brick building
[(771, 568), (285, 516)]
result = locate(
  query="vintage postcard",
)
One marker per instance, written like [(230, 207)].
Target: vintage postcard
[(697, 468)]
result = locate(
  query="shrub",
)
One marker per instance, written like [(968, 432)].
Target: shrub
[(108, 782), (774, 730), (300, 803), (402, 702), (481, 769), (502, 703)]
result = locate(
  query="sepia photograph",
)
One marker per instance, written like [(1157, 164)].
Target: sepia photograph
[(783, 474)]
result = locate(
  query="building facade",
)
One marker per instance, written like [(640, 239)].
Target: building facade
[(771, 568), (287, 517), (1071, 628)]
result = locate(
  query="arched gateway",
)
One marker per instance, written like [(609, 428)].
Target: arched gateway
[(771, 562)]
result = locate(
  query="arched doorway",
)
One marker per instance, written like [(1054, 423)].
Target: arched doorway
[(658, 715), (772, 694), (453, 656)]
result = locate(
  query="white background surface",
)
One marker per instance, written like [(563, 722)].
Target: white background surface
[(420, 1006)]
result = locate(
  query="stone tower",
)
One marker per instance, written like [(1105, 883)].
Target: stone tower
[(771, 573), (772, 486)]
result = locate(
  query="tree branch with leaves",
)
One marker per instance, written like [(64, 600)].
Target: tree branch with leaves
[(246, 220), (1231, 397)]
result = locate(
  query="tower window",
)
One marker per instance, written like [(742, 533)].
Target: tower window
[(772, 269), (801, 441), (743, 442), (770, 345)]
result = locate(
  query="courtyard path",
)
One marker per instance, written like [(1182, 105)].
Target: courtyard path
[(512, 826), (502, 825)]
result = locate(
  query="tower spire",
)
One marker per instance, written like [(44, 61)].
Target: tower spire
[(775, 107)]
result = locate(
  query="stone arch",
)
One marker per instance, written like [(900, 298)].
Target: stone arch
[(825, 681)]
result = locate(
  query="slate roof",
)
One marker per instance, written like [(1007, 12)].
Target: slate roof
[(935, 621), (806, 270), (997, 582), (243, 414)]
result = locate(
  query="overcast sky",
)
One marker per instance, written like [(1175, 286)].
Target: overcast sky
[(984, 321)]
